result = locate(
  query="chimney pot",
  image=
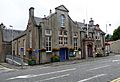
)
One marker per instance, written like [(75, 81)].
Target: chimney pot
[(31, 11)]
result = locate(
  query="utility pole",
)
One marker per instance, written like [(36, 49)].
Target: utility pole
[(107, 39)]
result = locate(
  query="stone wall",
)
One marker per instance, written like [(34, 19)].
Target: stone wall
[(115, 46)]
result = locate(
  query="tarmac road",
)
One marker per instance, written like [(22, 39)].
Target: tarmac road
[(104, 69)]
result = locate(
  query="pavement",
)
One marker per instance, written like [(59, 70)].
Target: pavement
[(68, 62), (4, 69)]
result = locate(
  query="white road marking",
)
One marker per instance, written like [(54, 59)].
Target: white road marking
[(115, 60), (38, 68), (53, 78), (6, 70), (117, 55), (32, 75), (98, 67), (92, 77)]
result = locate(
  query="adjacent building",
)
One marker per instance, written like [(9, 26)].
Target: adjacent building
[(6, 36)]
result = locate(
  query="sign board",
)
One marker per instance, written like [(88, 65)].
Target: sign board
[(22, 49)]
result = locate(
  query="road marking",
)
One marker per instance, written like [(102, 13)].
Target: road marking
[(100, 75), (98, 67), (32, 75), (39, 68), (53, 78), (116, 80), (115, 60), (6, 70)]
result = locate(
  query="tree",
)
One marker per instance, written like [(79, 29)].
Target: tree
[(116, 34), (108, 37)]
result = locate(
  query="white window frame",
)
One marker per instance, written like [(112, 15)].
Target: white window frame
[(65, 40), (60, 33), (62, 20), (49, 42), (48, 32), (60, 40), (75, 40)]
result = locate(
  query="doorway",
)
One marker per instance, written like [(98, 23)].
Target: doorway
[(63, 54)]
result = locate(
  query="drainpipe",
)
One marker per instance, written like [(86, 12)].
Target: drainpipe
[(39, 27)]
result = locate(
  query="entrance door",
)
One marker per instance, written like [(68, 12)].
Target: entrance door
[(63, 54), (90, 52)]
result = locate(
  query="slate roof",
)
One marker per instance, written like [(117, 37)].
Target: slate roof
[(7, 34), (38, 20)]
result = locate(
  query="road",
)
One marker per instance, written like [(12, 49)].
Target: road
[(104, 69)]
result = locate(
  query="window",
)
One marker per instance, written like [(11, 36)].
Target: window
[(60, 40), (65, 33), (48, 43), (75, 43), (75, 34), (82, 35), (48, 32), (65, 40), (30, 39), (62, 20), (60, 33)]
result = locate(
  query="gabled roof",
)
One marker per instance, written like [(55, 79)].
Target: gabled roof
[(7, 34), (62, 7)]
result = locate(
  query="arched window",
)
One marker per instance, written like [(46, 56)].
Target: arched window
[(62, 20)]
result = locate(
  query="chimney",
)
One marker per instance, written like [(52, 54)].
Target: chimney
[(31, 12), (84, 21), (91, 22), (44, 16), (50, 11)]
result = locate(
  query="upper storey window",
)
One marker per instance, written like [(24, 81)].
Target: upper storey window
[(48, 32), (62, 20)]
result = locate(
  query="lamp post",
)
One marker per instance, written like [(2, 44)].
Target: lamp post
[(107, 38), (12, 42)]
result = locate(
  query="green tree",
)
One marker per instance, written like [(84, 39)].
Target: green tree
[(108, 37), (116, 34)]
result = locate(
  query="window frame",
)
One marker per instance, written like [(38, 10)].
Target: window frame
[(62, 20), (48, 43), (48, 32), (75, 43)]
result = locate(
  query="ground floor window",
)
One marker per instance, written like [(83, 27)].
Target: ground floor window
[(75, 43), (48, 43)]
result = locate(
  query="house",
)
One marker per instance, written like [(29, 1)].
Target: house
[(5, 41), (57, 35)]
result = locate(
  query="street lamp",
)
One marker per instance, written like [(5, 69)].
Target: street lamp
[(12, 42), (107, 39), (106, 27)]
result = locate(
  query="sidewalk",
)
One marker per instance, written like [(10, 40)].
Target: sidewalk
[(53, 64)]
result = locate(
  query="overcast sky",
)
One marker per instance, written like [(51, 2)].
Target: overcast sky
[(15, 12)]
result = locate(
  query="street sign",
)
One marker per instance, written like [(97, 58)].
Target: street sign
[(22, 49)]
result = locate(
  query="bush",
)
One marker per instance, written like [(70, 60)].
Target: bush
[(31, 62), (55, 58)]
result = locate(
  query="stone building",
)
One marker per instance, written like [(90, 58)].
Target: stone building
[(5, 41), (58, 35)]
